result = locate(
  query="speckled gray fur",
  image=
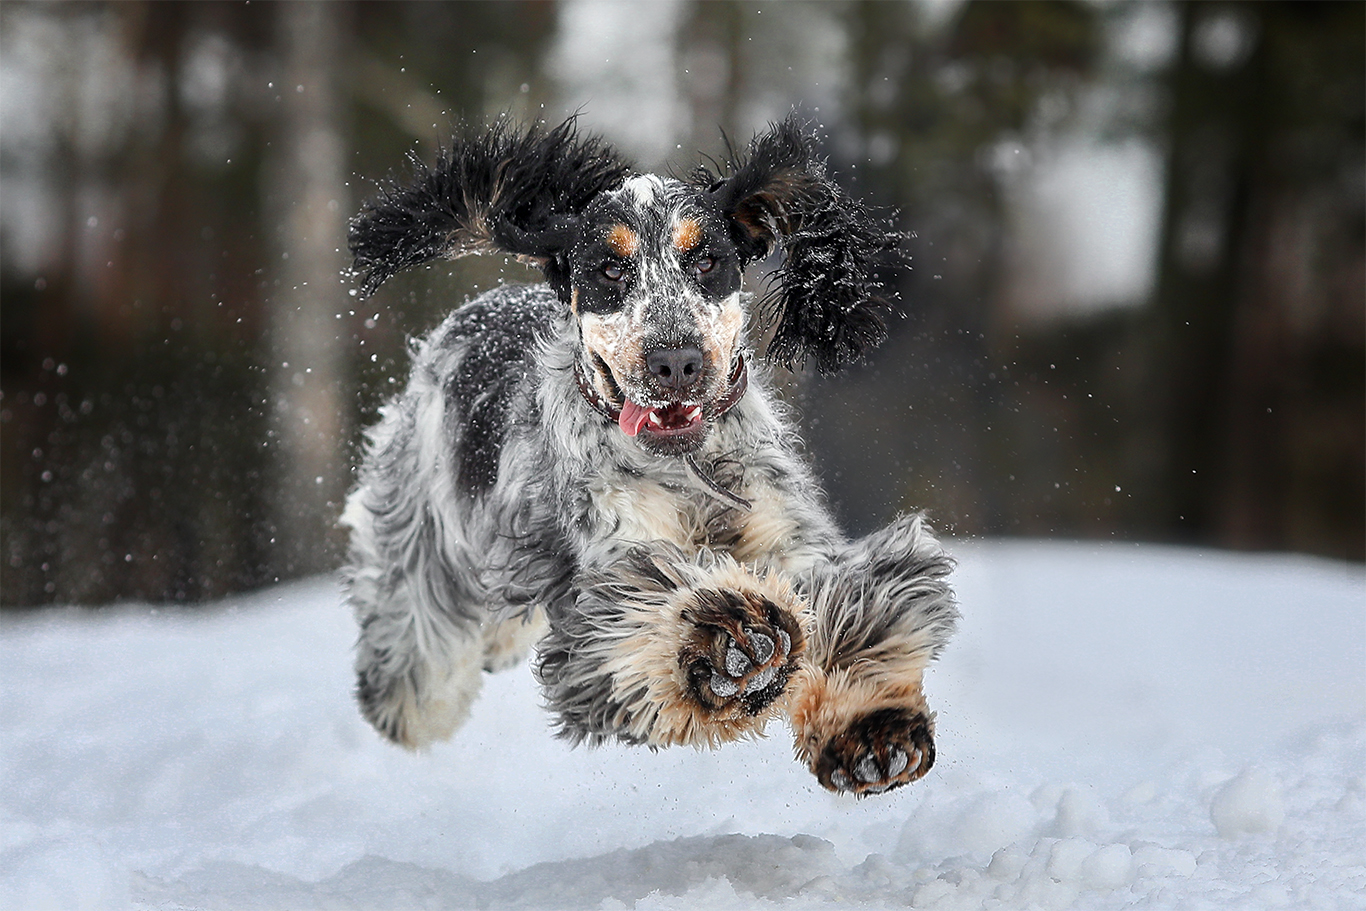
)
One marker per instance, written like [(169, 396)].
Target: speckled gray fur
[(492, 489)]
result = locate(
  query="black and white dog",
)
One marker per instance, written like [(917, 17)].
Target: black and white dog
[(595, 464)]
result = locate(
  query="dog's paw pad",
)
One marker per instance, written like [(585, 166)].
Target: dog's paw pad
[(880, 751), (737, 663), (741, 653), (722, 685), (763, 646), (761, 681), (867, 770), (753, 668)]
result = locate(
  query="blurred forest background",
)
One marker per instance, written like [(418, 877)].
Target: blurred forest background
[(1135, 309)]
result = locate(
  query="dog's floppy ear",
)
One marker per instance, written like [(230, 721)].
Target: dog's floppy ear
[(827, 304), (491, 191)]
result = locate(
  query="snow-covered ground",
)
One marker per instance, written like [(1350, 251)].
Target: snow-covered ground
[(1119, 726)]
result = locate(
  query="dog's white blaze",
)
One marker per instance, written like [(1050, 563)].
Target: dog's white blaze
[(616, 338), (644, 189)]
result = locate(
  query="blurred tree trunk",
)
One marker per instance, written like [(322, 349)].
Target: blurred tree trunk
[(931, 104), (310, 392), (713, 49), (1255, 349), (1211, 127)]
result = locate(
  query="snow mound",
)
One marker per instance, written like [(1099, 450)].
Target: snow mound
[(1119, 727), (1248, 804)]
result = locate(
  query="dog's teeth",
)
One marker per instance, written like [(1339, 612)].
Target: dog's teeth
[(654, 419), (694, 413), (736, 662), (760, 680), (723, 686)]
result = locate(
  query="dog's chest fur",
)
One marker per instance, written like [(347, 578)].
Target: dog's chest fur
[(645, 509), (663, 503)]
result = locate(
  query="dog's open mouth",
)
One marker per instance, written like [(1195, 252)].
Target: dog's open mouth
[(670, 429), (673, 419)]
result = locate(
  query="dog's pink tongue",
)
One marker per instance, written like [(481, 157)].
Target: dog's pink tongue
[(632, 418)]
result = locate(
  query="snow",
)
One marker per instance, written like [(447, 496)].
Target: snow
[(1119, 726), (1250, 803)]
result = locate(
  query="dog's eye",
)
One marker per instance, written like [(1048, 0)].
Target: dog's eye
[(704, 265), (613, 271)]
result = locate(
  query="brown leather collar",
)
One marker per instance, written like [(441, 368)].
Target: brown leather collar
[(739, 382)]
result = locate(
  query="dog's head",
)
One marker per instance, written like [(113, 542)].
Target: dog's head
[(654, 280), (650, 267)]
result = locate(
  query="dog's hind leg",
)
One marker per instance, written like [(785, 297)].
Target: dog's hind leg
[(506, 642), (416, 681), (881, 612), (417, 669)]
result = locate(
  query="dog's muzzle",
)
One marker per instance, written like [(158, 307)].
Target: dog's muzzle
[(668, 420)]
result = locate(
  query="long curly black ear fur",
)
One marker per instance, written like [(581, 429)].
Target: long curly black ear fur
[(491, 191), (827, 304)]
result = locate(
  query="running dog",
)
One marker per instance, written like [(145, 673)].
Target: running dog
[(596, 464)]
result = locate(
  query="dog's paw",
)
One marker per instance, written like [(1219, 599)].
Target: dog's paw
[(879, 751), (741, 652)]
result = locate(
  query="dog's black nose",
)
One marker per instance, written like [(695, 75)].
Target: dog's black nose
[(675, 368)]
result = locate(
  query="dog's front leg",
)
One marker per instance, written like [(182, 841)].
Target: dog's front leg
[(881, 611), (662, 649)]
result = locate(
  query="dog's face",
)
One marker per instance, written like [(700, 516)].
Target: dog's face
[(650, 266), (654, 281)]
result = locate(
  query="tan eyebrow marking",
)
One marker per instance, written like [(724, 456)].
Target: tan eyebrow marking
[(687, 234), (623, 241)]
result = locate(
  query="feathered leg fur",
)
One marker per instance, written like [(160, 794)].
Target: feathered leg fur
[(665, 649), (429, 625), (880, 612), (418, 670)]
